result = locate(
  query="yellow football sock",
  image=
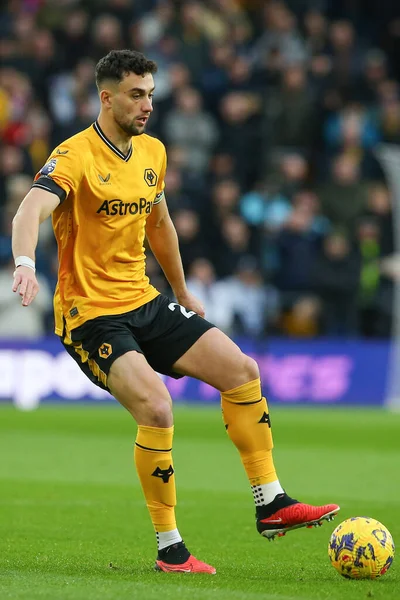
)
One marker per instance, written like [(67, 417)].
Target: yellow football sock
[(246, 418), (153, 460)]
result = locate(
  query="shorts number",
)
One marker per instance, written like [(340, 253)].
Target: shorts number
[(186, 313)]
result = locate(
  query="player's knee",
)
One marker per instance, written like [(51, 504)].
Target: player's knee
[(250, 370), (154, 411), (245, 370), (151, 407)]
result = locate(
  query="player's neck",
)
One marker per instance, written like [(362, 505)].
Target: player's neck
[(119, 138)]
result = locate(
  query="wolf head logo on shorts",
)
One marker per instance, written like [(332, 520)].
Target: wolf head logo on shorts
[(49, 167), (105, 350)]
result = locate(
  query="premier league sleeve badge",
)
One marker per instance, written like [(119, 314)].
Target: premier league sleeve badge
[(49, 167)]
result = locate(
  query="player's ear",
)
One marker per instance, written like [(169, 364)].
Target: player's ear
[(105, 97)]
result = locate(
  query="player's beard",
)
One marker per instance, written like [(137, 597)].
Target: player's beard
[(129, 128)]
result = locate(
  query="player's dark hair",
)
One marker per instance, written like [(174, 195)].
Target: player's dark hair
[(118, 63)]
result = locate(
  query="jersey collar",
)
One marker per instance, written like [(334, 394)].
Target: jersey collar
[(105, 139)]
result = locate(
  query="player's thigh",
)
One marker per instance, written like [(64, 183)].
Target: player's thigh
[(140, 390), (110, 355), (217, 360)]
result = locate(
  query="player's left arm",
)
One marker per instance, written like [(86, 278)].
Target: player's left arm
[(163, 240)]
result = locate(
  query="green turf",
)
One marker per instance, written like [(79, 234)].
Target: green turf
[(73, 523)]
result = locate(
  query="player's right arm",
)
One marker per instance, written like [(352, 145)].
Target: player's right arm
[(61, 175), (35, 208)]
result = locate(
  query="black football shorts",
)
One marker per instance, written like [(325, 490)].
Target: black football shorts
[(161, 330)]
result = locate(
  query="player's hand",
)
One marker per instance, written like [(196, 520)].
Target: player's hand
[(191, 303), (25, 280)]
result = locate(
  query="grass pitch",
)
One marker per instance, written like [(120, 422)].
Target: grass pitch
[(73, 524)]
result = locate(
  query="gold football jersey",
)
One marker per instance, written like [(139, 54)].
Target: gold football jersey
[(105, 199)]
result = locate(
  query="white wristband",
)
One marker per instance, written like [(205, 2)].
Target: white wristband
[(25, 261)]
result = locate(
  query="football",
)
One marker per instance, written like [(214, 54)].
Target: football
[(361, 548)]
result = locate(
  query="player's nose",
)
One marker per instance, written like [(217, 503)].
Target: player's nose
[(147, 106)]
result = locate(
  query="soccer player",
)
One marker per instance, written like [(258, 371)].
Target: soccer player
[(104, 188)]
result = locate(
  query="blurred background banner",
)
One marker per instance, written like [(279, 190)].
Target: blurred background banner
[(313, 372)]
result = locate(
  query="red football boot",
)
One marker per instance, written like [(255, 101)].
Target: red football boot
[(285, 514), (177, 559)]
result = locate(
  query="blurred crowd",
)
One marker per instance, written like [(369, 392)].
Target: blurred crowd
[(271, 112)]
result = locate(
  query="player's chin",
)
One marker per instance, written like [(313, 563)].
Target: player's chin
[(137, 130)]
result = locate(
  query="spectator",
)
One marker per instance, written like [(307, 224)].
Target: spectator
[(336, 277), (192, 128), (345, 54), (240, 133), (375, 72), (215, 78), (234, 244), (302, 318), (154, 24), (222, 166), (316, 30), (389, 112), (375, 289), (298, 247), (280, 36), (191, 242), (68, 88), (177, 196), (354, 132), (241, 304), (215, 296), (74, 36), (379, 209), (107, 34), (192, 42), (292, 173), (343, 199), (290, 110), (256, 304), (224, 201), (308, 201), (265, 206)]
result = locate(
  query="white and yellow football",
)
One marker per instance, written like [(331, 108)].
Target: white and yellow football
[(361, 548)]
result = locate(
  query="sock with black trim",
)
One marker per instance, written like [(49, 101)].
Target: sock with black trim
[(248, 424), (154, 465)]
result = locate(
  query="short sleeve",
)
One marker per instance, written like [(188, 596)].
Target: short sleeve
[(62, 172), (161, 182)]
